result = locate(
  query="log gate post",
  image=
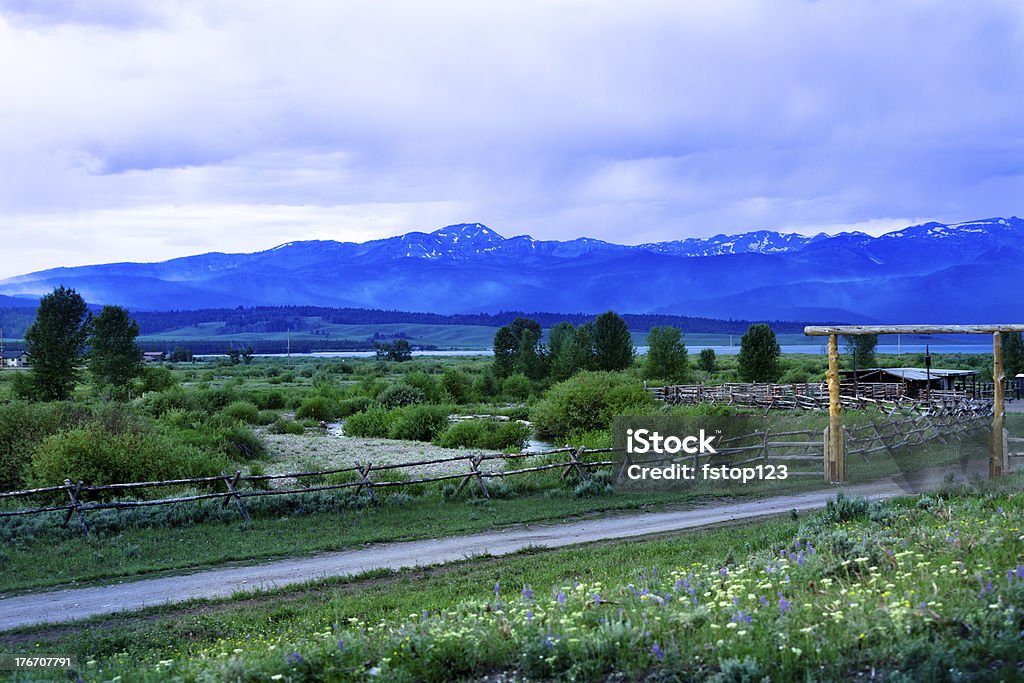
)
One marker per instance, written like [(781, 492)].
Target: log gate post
[(995, 444)]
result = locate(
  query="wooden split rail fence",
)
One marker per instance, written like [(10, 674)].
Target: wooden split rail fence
[(802, 451), (360, 475)]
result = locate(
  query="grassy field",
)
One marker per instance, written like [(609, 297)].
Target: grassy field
[(923, 588)]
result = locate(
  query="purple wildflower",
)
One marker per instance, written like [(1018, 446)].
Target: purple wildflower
[(723, 572), (294, 658), (656, 651), (784, 604), (527, 592), (341, 644), (497, 589), (529, 616), (561, 598)]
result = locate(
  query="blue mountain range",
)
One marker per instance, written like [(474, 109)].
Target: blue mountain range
[(965, 272)]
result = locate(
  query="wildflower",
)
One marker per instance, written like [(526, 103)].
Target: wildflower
[(294, 658), (529, 616), (656, 651), (341, 644), (784, 604), (527, 592), (497, 589), (561, 598)]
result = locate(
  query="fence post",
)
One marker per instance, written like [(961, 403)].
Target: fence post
[(1006, 450), (233, 493), (996, 451), (364, 479), (836, 458), (824, 450), (73, 495), (574, 462)]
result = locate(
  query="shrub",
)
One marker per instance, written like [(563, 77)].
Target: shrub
[(587, 402), (485, 434), (351, 406), (98, 456), (241, 411), (240, 442), (318, 408), (425, 383), (419, 423), (270, 400), (457, 386), (283, 426), (400, 395), (22, 427), (517, 387), (374, 423)]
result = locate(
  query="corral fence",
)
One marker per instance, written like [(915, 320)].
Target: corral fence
[(886, 397), (803, 451)]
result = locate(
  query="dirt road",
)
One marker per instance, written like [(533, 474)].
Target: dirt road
[(79, 603)]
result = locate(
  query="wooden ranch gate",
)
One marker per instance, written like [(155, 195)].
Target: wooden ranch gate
[(836, 456)]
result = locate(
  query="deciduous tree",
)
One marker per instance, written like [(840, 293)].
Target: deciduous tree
[(613, 345), (55, 343), (759, 355), (666, 354), (114, 358)]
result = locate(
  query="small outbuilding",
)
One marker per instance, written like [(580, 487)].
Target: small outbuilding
[(916, 381)]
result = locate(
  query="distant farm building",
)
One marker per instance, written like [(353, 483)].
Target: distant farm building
[(15, 360), (153, 356), (916, 382)]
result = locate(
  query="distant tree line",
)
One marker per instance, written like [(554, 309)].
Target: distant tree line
[(281, 318)]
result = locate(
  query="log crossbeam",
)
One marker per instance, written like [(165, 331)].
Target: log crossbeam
[(835, 461)]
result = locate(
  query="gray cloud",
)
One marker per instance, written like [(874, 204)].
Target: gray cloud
[(658, 120)]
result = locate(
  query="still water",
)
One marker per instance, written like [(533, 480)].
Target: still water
[(820, 349)]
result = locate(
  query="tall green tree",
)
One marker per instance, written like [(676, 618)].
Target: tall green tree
[(759, 355), (55, 343), (517, 348), (666, 354), (1013, 354), (114, 357), (861, 348), (613, 345), (706, 360), (570, 349)]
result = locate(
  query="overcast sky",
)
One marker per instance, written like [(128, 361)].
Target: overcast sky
[(148, 130)]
